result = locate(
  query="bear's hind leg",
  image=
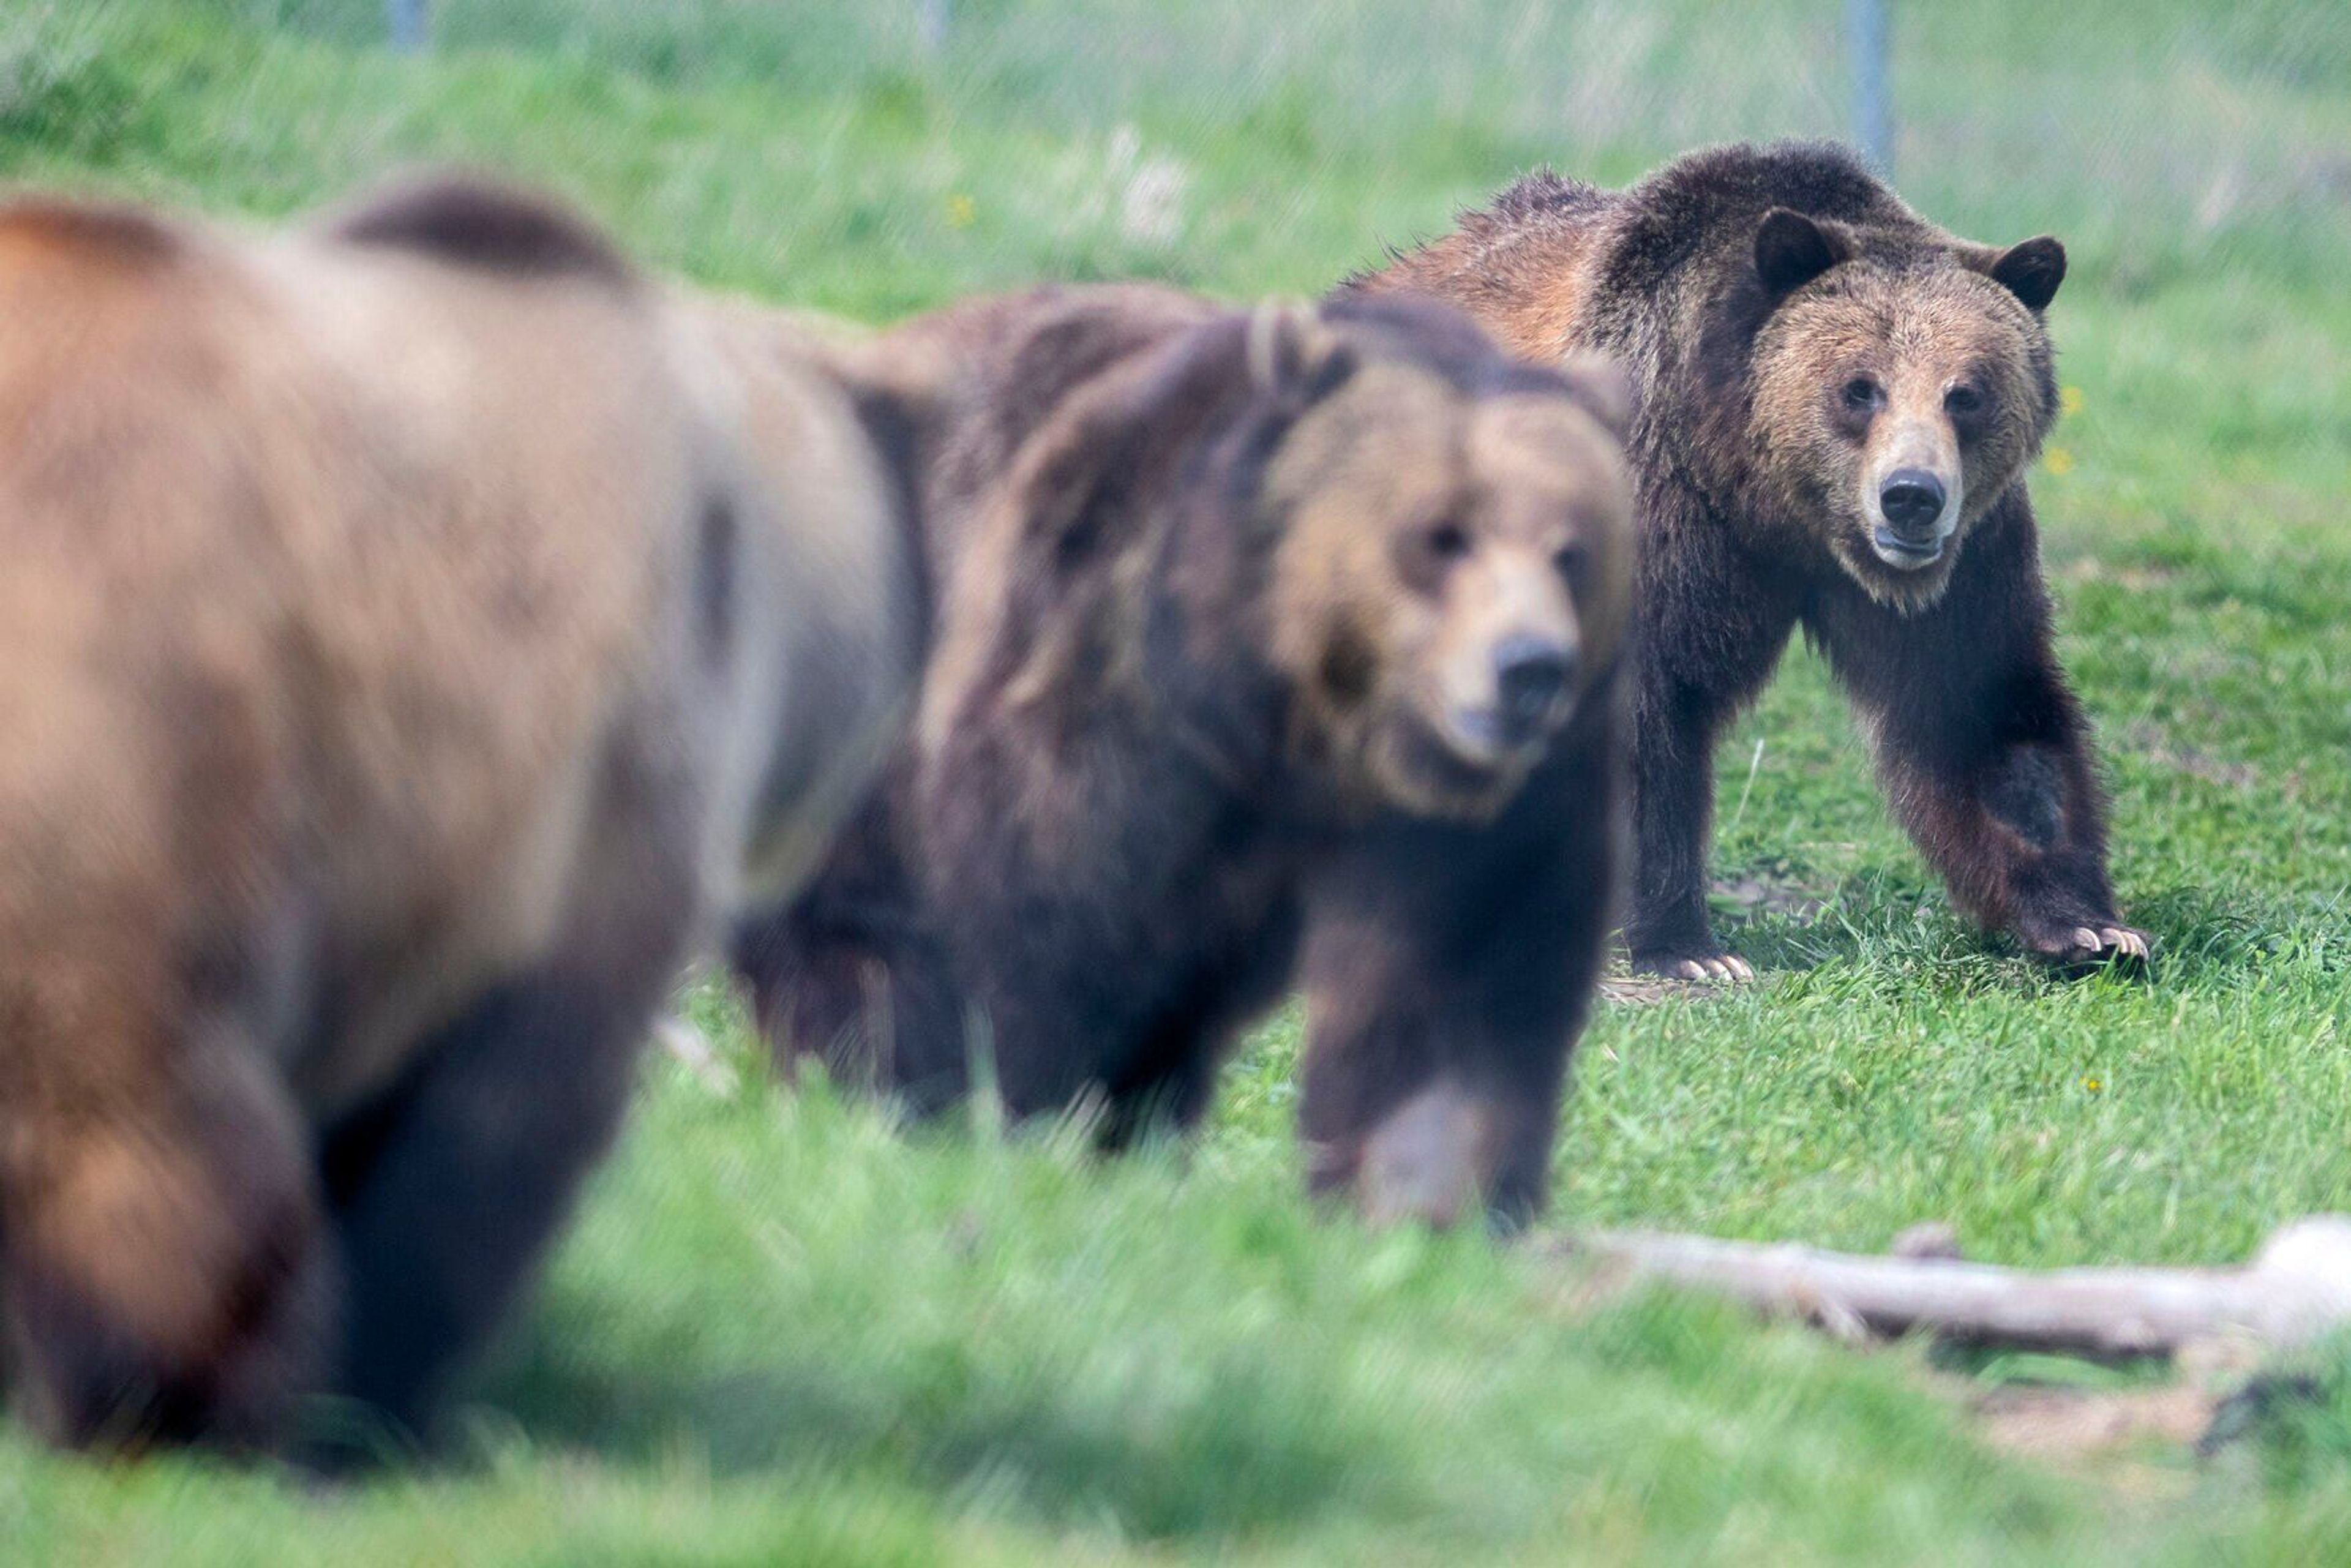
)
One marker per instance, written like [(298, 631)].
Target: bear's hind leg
[(447, 1189), (165, 1273), (1173, 1096), (446, 1192), (1169, 1083), (872, 998), (852, 974)]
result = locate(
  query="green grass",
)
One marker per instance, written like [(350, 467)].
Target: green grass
[(783, 1331)]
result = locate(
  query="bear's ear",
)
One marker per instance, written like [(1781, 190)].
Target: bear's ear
[(1294, 355), (1599, 386), (2030, 270), (1791, 249)]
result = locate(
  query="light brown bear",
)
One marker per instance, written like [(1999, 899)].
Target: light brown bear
[(417, 630)]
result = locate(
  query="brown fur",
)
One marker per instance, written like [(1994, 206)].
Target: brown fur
[(1807, 352), (415, 630), (480, 225), (1223, 606)]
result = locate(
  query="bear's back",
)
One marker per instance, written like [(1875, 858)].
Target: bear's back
[(1023, 356), (1682, 237), (1516, 267), (332, 556)]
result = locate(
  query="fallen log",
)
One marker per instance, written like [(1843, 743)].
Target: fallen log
[(2297, 1288)]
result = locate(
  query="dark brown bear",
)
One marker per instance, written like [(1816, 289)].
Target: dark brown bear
[(1268, 646), (1837, 404)]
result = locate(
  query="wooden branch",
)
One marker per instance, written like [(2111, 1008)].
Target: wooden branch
[(2297, 1288)]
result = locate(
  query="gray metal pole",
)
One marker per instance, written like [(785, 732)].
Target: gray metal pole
[(406, 18), (933, 21), (1873, 110)]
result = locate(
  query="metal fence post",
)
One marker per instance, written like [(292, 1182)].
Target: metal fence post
[(406, 20), (933, 19), (1873, 113)]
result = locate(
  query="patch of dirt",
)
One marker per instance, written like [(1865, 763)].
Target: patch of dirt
[(2139, 1438), (1760, 895), (2135, 1442), (2152, 743), (2043, 1423), (1630, 990), (1625, 988), (2137, 579), (1750, 895)]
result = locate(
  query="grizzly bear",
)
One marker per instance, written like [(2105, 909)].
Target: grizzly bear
[(1267, 645), (417, 628), (1837, 405)]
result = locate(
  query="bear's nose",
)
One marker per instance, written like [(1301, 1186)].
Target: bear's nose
[(1529, 673), (1911, 500)]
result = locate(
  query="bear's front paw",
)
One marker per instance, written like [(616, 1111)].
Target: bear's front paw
[(2090, 946), (1714, 966)]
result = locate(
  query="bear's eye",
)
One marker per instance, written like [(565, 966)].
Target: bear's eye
[(1568, 561), (1863, 395), (1962, 400), (1447, 541)]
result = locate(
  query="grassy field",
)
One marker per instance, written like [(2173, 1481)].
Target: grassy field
[(785, 1330)]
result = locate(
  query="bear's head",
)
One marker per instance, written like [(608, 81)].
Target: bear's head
[(1453, 554), (1897, 391)]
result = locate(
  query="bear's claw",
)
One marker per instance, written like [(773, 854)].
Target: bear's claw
[(1714, 968), (2090, 946)]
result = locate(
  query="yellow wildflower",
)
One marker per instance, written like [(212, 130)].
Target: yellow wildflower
[(961, 210), (2069, 398), (2058, 460)]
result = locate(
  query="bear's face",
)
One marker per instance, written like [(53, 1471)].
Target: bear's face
[(1893, 402), (1452, 577)]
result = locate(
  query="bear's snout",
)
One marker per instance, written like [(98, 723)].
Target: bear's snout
[(1916, 511), (1530, 675), (1911, 501)]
